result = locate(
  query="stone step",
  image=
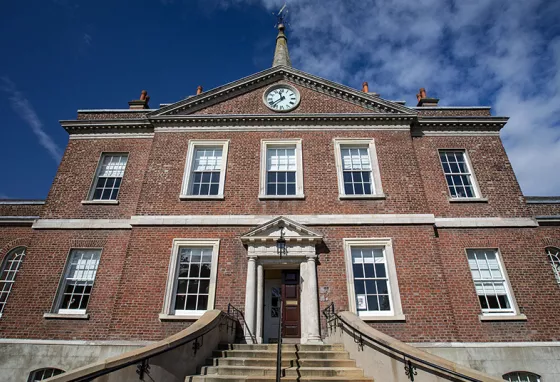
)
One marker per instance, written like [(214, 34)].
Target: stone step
[(285, 354), (237, 378), (288, 372), (285, 347), (271, 362)]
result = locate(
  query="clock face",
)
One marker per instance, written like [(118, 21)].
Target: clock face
[(281, 98)]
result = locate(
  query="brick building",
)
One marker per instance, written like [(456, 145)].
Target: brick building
[(411, 217)]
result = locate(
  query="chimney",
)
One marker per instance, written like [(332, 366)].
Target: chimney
[(424, 101), (141, 103), (198, 90), (365, 87)]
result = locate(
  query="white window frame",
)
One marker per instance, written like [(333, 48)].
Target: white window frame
[(265, 144), (7, 284), (340, 143), (62, 283), (91, 193), (193, 145), (509, 293), (396, 312), (168, 306), (554, 259), (476, 188)]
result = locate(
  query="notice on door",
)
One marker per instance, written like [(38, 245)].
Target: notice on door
[(362, 302)]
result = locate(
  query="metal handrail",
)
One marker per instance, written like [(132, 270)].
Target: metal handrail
[(234, 312), (279, 348), (331, 315)]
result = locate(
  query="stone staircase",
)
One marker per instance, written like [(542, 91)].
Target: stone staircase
[(245, 362)]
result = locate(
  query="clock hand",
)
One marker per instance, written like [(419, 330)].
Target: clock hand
[(278, 100)]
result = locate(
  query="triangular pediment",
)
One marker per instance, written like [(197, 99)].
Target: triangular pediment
[(318, 96), (270, 231)]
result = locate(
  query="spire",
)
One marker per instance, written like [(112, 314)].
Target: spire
[(281, 55)]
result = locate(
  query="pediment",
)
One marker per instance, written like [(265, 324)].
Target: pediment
[(318, 96), (270, 231)]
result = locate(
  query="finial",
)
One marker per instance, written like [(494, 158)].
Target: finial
[(281, 55)]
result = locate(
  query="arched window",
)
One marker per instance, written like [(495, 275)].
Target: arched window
[(522, 376), (8, 273), (554, 256), (39, 375)]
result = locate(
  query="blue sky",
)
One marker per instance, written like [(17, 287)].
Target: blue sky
[(62, 55)]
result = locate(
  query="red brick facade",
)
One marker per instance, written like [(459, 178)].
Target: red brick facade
[(435, 284)]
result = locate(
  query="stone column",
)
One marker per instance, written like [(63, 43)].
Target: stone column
[(260, 303), (313, 321), (250, 298)]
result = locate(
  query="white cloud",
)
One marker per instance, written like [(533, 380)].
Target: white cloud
[(23, 108), (506, 52)]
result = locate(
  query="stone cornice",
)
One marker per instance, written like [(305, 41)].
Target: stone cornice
[(257, 80), (140, 125), (458, 126)]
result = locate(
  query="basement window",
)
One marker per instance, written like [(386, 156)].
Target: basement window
[(521, 376), (108, 177), (77, 283), (42, 374)]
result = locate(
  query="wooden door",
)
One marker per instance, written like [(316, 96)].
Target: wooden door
[(290, 304)]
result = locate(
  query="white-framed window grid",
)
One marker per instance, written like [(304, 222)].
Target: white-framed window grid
[(78, 280), (108, 176), (459, 174), (553, 254), (281, 169), (373, 289), (357, 168), (45, 373), (191, 282), (205, 169), (8, 272), (490, 282), (521, 376)]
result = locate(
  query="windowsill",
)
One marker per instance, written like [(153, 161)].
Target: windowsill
[(467, 200), (281, 197), (374, 196), (513, 317), (58, 316), (201, 197), (395, 318), (179, 317), (100, 202)]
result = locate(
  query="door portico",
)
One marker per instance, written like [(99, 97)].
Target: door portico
[(262, 255)]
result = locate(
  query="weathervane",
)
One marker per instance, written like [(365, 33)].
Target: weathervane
[(281, 16)]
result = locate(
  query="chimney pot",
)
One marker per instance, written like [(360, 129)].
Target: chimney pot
[(422, 93), (198, 90), (143, 95), (365, 87)]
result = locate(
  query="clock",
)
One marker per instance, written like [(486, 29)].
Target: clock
[(281, 97)]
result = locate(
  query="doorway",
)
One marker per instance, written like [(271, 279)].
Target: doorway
[(282, 293)]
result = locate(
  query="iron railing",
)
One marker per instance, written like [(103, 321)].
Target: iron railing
[(237, 314), (334, 320)]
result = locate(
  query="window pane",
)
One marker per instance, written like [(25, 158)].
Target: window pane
[(109, 175), (457, 174), (370, 279), (8, 272), (196, 263), (79, 278)]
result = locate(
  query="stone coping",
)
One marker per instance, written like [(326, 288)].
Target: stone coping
[(209, 320), (356, 323)]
